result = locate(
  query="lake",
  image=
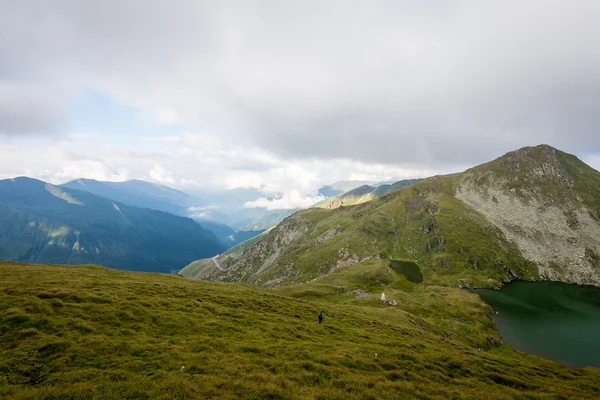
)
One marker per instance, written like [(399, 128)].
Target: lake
[(557, 321)]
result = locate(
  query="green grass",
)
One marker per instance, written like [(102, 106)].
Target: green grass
[(199, 268), (90, 332)]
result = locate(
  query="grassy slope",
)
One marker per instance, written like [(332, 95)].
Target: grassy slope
[(84, 332), (363, 194), (359, 195), (200, 268), (453, 243), (236, 251)]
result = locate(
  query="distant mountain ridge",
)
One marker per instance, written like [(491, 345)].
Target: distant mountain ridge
[(364, 193), (139, 193), (531, 214), (155, 196), (230, 225), (44, 223), (340, 187)]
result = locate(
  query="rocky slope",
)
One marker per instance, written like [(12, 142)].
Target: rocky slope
[(531, 214), (546, 202)]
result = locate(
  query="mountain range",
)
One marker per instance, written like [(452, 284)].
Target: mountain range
[(139, 193), (155, 196), (531, 214), (222, 213), (118, 224), (44, 223)]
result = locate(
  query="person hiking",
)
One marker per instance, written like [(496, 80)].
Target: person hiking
[(321, 317)]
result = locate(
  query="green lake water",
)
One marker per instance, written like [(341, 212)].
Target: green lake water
[(409, 269), (552, 320)]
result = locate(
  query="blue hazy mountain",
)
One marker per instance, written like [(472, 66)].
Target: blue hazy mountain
[(139, 193), (44, 223), (144, 194)]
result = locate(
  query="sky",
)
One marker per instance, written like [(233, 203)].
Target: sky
[(286, 96)]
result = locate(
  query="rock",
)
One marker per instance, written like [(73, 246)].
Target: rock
[(358, 293), (493, 341)]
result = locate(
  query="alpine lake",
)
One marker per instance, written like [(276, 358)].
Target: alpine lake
[(557, 321)]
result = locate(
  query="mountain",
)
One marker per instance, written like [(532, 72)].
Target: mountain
[(531, 214), (227, 235), (261, 219), (87, 332), (342, 187), (139, 193), (143, 194), (43, 223), (364, 193), (201, 268), (204, 267)]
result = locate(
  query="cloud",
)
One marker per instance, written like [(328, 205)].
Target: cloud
[(292, 200), (201, 212), (161, 116), (27, 109), (161, 175), (284, 96), (437, 83), (593, 161), (92, 169), (50, 162)]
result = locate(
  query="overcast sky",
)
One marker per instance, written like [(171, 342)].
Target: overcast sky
[(284, 96)]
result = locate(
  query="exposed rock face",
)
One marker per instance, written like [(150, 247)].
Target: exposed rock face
[(545, 235), (553, 228), (261, 257)]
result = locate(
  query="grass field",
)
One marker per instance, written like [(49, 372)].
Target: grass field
[(90, 332)]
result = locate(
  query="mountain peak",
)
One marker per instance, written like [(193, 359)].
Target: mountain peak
[(527, 165), (542, 152)]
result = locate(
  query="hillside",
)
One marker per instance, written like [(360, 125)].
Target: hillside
[(364, 193), (140, 194), (200, 269), (531, 214), (43, 223), (90, 332)]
